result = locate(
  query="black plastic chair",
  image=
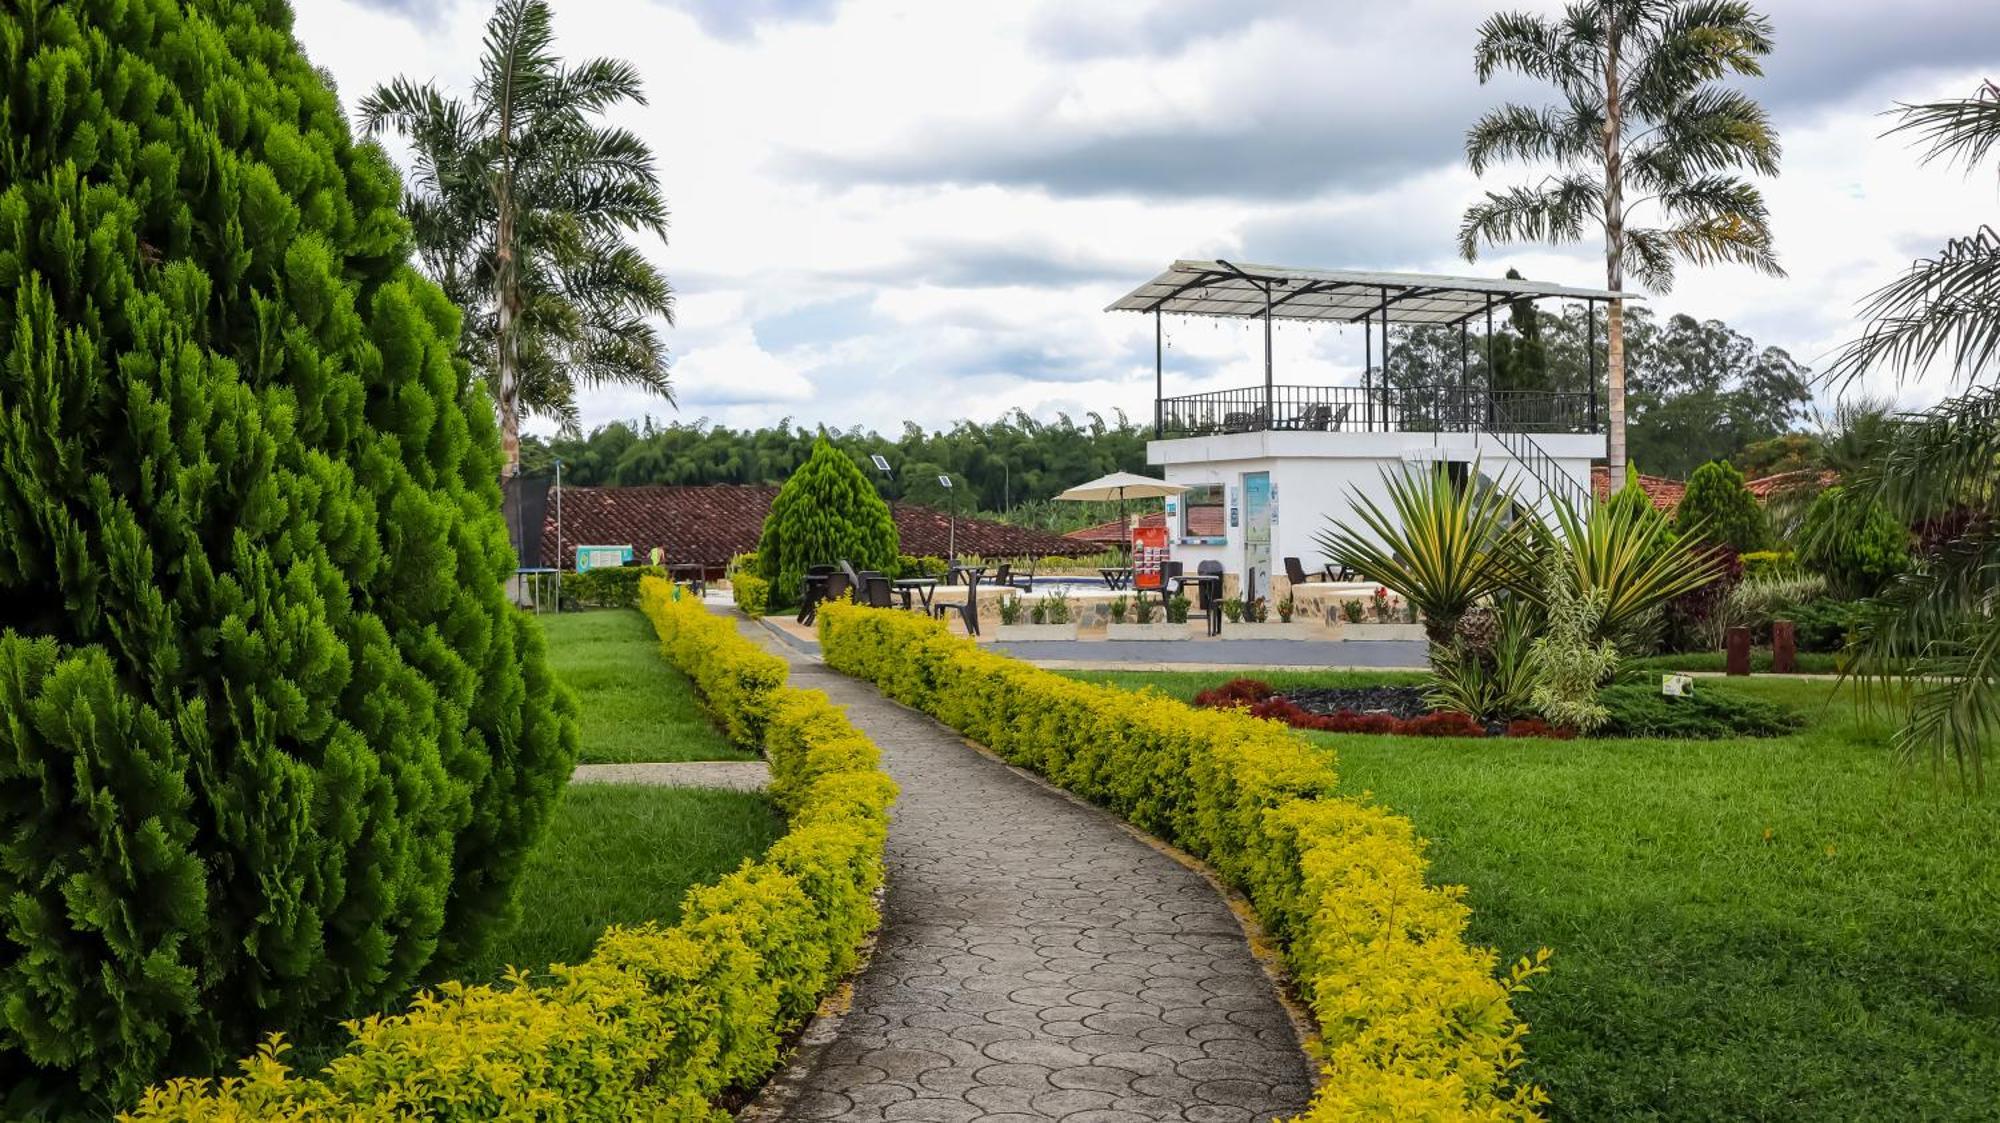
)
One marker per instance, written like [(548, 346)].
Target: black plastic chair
[(969, 611), (1209, 595), (874, 590), (1297, 575)]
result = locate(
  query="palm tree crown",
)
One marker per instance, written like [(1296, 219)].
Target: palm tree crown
[(1643, 144), (522, 204), (1934, 636)]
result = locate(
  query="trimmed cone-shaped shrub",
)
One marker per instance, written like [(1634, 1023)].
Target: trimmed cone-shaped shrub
[(1721, 510), (272, 742), (825, 513)]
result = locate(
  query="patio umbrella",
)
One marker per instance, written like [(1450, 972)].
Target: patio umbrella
[(1120, 486)]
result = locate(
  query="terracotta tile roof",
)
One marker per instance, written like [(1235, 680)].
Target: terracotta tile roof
[(714, 523), (1664, 493), (1114, 531), (1763, 487)]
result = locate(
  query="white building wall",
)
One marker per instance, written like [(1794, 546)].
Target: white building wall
[(1315, 477)]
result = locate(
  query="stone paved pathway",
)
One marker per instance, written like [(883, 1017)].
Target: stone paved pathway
[(740, 775), (1036, 961)]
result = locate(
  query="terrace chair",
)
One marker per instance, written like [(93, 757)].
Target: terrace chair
[(836, 588), (1004, 576), (1025, 584), (813, 591), (1296, 573), (1339, 419), (1239, 422), (969, 611), (874, 590), (1210, 595), (1168, 572), (1315, 417)]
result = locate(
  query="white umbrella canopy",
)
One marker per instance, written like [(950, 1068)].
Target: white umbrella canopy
[(1118, 487)]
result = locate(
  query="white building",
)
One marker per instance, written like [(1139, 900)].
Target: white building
[(1267, 466)]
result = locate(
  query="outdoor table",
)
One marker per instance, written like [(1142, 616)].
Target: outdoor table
[(1214, 600), (923, 587), (690, 572), (1116, 577)]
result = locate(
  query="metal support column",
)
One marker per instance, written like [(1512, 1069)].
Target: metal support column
[(1159, 379), (1590, 347), (1270, 417), (1464, 374), (1385, 358), (1367, 375), (1489, 366)]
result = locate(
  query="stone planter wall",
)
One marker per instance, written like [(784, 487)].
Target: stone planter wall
[(1382, 631), (1153, 631), (1017, 633)]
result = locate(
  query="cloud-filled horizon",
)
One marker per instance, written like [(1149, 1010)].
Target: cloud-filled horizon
[(890, 210)]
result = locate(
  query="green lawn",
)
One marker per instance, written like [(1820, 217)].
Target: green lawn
[(622, 854), (1791, 928), (1809, 662), (635, 707)]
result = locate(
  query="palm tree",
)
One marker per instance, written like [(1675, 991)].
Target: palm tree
[(1934, 636), (1643, 145), (522, 204)]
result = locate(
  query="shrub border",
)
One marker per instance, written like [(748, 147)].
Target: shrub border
[(1415, 1023), (658, 1022)]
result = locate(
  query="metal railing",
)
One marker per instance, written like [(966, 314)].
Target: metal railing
[(1358, 409)]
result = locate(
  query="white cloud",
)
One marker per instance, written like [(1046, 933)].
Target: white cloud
[(890, 209)]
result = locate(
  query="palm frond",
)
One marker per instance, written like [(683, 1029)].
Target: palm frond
[(1961, 131), (1690, 43), (1945, 307), (1558, 210), (1628, 553), (1532, 45), (1517, 132)]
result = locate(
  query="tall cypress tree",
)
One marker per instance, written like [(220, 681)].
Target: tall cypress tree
[(273, 745), (826, 512)]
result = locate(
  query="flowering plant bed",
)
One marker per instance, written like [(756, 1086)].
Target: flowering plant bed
[(1399, 710)]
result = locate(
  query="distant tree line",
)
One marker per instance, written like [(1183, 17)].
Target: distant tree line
[(1697, 390), (1011, 467)]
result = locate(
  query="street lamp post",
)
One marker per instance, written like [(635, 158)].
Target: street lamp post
[(951, 515)]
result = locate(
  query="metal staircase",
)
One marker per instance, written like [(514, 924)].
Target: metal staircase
[(1555, 483)]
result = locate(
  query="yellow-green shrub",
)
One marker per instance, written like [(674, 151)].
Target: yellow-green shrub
[(658, 1022), (752, 593), (1416, 1024), (735, 677)]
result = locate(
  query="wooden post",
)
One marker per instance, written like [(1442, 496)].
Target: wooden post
[(1737, 644), (1784, 647)]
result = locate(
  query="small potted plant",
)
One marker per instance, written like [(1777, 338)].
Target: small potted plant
[(1286, 607), (1351, 611), (1232, 609), (1177, 610), (1048, 619), (1010, 611), (1389, 617), (1145, 623), (1119, 605)]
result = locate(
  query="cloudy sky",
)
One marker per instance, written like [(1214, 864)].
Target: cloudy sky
[(917, 209)]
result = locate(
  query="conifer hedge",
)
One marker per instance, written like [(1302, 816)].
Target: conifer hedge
[(272, 742), (827, 512)]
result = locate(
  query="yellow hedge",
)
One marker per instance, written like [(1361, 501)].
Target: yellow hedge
[(658, 1022), (752, 593), (1416, 1024)]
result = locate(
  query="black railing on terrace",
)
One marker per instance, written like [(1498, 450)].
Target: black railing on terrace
[(1360, 409)]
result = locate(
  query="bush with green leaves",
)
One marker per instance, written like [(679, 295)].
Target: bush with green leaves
[(1854, 542), (1719, 510), (1569, 660), (611, 586), (275, 743), (827, 512), (1711, 713)]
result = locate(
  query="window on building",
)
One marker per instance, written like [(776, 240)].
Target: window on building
[(1202, 513)]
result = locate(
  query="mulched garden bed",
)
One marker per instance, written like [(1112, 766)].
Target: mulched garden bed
[(1363, 709)]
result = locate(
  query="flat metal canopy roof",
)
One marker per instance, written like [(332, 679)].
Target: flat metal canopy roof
[(1220, 288)]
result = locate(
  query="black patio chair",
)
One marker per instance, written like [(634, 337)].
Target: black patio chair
[(874, 590), (1209, 595), (1297, 575), (1169, 571), (1003, 576), (969, 611), (1026, 584)]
